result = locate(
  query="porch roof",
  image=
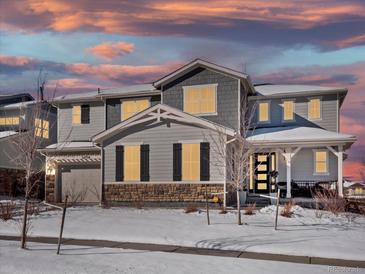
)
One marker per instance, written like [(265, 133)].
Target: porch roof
[(275, 136), (70, 146)]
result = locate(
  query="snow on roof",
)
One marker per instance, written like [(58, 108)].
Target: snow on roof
[(297, 134), (18, 105), (268, 90), (71, 146), (118, 91), (8, 133)]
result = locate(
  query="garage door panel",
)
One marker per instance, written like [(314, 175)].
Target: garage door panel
[(80, 183)]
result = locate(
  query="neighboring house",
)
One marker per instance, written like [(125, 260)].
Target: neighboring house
[(17, 116), (159, 142), (354, 189)]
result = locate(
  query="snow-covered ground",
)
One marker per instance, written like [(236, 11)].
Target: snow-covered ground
[(304, 234), (42, 258)]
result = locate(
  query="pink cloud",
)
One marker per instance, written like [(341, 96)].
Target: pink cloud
[(349, 41), (353, 169), (111, 50), (116, 16), (14, 61)]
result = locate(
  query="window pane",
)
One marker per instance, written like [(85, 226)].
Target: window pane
[(261, 176), (314, 109), (200, 99), (76, 114), (261, 186), (261, 167), (191, 162), (288, 110), (261, 158), (321, 167), (264, 112), (2, 121), (132, 163), (321, 156), (130, 108), (321, 162)]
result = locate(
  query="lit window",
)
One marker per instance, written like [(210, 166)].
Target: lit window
[(314, 109), (76, 115), (191, 162), (288, 107), (132, 107), (9, 121), (200, 99), (132, 156), (41, 128), (264, 112), (321, 163)]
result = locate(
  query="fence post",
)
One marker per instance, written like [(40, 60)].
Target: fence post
[(62, 223), (277, 209), (206, 203)]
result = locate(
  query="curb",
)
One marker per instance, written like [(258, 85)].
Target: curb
[(196, 251)]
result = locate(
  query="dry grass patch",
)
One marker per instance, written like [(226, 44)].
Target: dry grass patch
[(329, 200), (287, 210), (250, 209)]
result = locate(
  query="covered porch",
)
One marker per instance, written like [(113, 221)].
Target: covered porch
[(293, 158)]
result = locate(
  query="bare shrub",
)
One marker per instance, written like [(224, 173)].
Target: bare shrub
[(250, 209), (191, 209), (329, 200), (33, 209), (7, 210), (287, 210), (223, 211)]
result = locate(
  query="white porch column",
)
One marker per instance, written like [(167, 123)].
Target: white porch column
[(288, 155), (288, 173), (339, 155)]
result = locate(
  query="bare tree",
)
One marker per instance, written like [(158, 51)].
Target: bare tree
[(34, 129), (237, 152)]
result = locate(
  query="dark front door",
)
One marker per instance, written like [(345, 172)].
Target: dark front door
[(262, 178)]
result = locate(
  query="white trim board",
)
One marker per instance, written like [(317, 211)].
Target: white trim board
[(167, 182)]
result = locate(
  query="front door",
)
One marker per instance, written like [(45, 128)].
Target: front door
[(262, 178)]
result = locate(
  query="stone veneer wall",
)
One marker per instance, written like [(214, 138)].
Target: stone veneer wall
[(176, 193), (50, 188)]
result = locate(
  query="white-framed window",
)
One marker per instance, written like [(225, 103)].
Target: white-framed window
[(320, 162), (264, 112), (315, 109), (130, 108), (200, 99), (288, 110)]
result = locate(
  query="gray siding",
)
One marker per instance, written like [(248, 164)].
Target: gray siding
[(113, 109), (329, 113), (82, 132), (303, 166), (227, 94), (161, 138)]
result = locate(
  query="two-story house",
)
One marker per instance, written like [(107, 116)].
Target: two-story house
[(160, 142), (18, 115)]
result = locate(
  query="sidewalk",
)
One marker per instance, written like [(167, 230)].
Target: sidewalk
[(194, 251)]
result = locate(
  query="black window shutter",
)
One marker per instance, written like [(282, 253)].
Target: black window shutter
[(119, 163), (85, 114), (177, 159), (145, 163), (204, 162)]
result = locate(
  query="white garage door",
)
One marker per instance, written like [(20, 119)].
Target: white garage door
[(80, 183)]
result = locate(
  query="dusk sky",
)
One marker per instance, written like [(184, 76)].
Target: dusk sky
[(82, 45)]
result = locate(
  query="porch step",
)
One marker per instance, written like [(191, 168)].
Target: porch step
[(260, 201)]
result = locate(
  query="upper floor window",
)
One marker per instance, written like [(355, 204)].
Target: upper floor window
[(200, 99), (80, 114), (41, 128), (9, 121), (288, 110), (264, 112), (190, 162), (314, 109), (320, 162), (132, 107)]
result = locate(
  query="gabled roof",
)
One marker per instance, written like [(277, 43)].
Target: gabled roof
[(298, 135), (157, 113), (205, 64)]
